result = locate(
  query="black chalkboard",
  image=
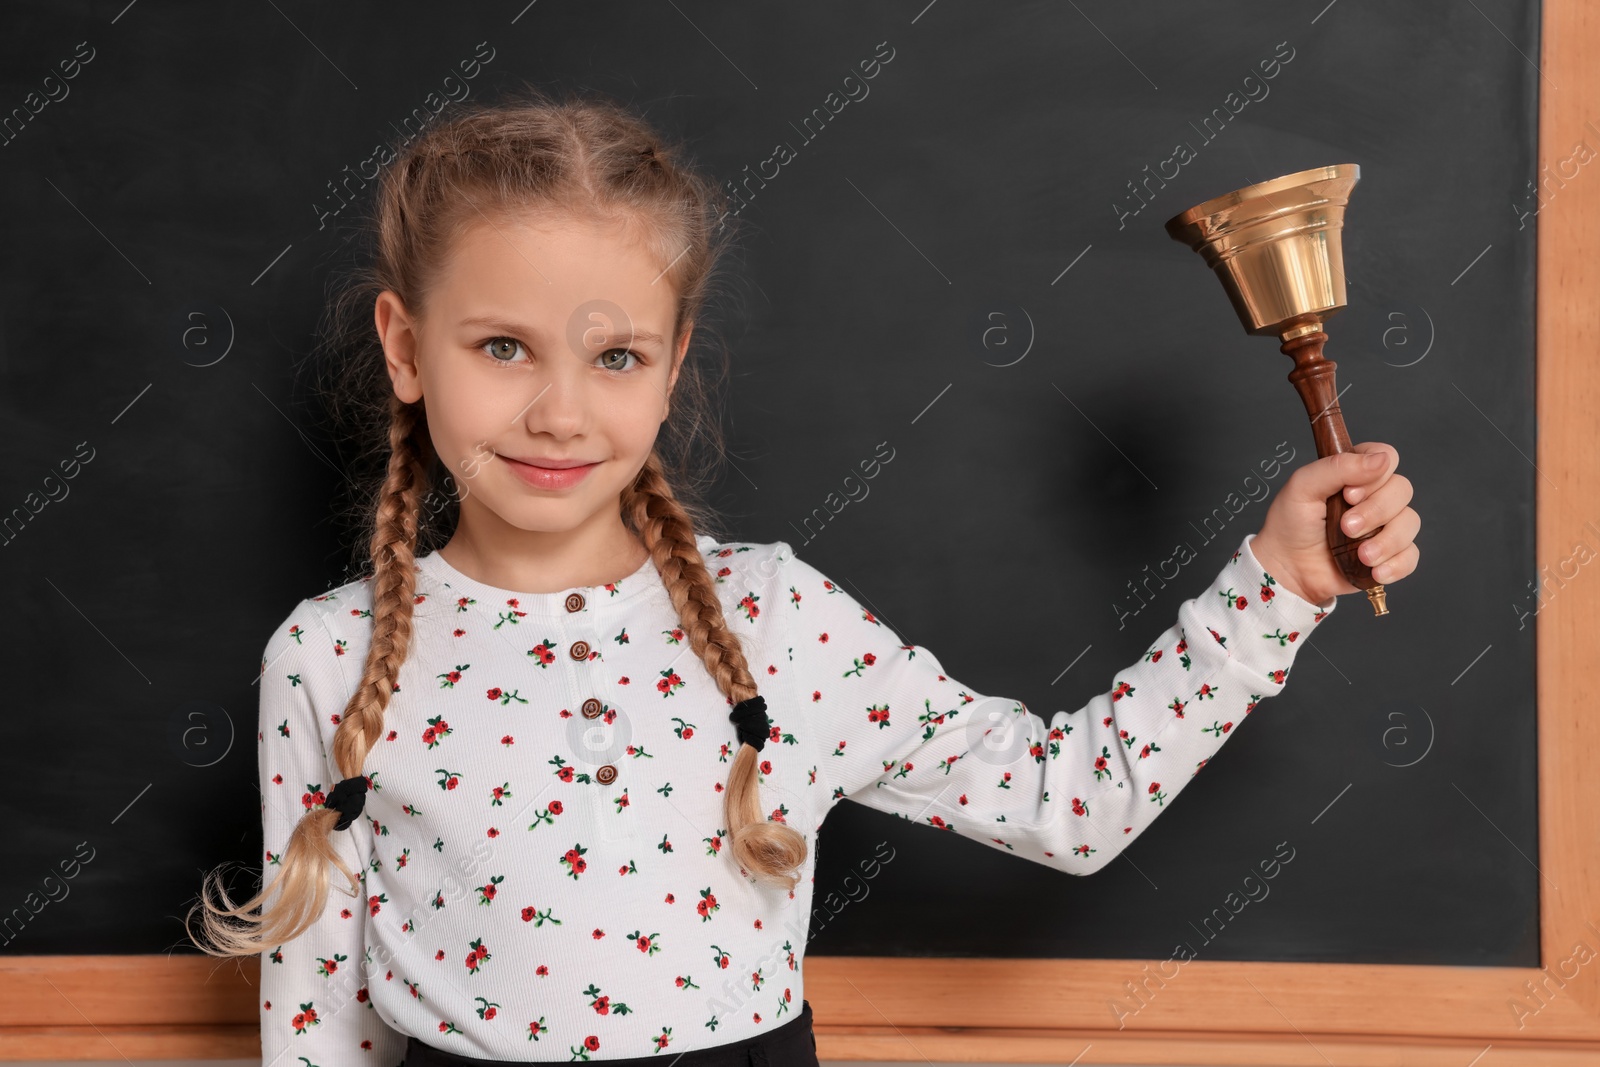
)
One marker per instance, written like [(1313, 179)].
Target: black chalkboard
[(946, 261)]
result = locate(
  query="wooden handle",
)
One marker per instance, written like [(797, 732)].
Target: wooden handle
[(1313, 379)]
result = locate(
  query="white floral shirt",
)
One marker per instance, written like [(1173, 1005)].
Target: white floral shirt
[(543, 853)]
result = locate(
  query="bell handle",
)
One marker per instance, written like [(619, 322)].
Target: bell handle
[(1313, 378)]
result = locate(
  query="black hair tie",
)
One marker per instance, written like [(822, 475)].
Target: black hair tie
[(750, 716), (348, 798)]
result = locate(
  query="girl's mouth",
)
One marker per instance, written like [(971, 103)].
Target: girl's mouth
[(548, 477)]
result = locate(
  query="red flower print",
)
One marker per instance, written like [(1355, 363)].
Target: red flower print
[(574, 860), (437, 730), (306, 1017)]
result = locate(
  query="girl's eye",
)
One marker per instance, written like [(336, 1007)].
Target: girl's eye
[(611, 364), (498, 347)]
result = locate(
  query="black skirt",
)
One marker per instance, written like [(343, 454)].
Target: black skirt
[(791, 1045)]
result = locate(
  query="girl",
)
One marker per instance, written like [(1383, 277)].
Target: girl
[(570, 761)]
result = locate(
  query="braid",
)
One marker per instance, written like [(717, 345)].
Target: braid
[(770, 850), (302, 881), (394, 583)]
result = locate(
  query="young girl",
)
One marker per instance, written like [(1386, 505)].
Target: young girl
[(570, 762)]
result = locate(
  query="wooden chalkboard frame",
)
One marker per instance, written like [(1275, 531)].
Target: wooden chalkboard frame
[(157, 1006)]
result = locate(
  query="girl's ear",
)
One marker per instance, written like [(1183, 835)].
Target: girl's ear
[(397, 334), (677, 357)]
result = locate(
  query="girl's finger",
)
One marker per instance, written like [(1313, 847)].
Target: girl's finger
[(1368, 480), (1397, 566), (1382, 503), (1396, 536)]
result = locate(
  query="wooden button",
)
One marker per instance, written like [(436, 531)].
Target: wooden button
[(591, 708), (575, 601), (606, 775), (580, 650)]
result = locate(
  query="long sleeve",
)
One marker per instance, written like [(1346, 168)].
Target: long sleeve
[(314, 1001), (899, 735)]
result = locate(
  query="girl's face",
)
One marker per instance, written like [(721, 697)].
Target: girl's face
[(544, 341)]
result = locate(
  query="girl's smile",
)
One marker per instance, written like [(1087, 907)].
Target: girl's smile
[(550, 474)]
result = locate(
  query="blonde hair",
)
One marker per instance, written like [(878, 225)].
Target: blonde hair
[(583, 156)]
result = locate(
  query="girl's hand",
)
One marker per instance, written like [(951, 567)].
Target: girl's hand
[(1293, 542)]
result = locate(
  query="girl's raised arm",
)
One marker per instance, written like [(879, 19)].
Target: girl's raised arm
[(313, 993), (897, 734)]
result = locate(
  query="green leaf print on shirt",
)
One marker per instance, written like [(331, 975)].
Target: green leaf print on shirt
[(646, 943), (603, 1005), (568, 774)]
